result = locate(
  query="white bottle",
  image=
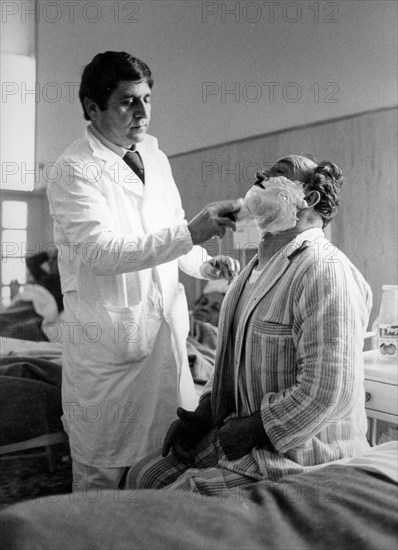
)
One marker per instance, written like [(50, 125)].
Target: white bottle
[(387, 325)]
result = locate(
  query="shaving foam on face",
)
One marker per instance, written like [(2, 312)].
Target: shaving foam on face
[(243, 212), (274, 206)]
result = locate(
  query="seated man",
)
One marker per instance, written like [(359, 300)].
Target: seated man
[(287, 393), (203, 330)]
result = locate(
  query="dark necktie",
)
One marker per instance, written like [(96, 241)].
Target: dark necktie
[(133, 159)]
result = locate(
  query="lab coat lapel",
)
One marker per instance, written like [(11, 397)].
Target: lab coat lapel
[(154, 214), (152, 208), (153, 175), (115, 167)]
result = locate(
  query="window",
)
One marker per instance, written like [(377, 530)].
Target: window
[(18, 102), (14, 221)]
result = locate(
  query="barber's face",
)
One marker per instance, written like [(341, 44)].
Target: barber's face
[(125, 120)]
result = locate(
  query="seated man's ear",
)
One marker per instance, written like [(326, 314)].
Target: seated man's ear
[(313, 198)]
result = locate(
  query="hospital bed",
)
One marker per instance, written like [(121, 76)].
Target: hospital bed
[(34, 449), (342, 506)]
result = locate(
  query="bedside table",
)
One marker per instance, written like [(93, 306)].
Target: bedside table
[(381, 387)]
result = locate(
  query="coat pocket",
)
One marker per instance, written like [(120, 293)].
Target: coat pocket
[(124, 335), (274, 356), (272, 329)]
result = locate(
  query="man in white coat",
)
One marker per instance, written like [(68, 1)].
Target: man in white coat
[(122, 236)]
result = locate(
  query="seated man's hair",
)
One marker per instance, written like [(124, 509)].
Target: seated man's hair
[(327, 179), (301, 165), (101, 77)]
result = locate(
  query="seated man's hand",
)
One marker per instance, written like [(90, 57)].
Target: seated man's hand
[(186, 432), (220, 267), (238, 436)]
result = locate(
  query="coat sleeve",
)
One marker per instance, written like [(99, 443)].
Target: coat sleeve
[(191, 262), (188, 263), (82, 211), (331, 309)]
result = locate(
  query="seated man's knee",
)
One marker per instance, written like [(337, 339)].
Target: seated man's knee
[(154, 472)]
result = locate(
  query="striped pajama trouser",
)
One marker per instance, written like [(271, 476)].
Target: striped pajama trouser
[(203, 476)]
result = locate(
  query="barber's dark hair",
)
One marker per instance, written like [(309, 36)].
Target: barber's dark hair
[(327, 179), (101, 77)]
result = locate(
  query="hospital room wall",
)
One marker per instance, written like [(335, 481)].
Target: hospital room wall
[(364, 146), (223, 70)]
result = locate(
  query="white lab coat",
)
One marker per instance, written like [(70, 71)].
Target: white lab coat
[(125, 367)]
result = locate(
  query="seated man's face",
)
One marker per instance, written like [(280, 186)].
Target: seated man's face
[(207, 307), (281, 169)]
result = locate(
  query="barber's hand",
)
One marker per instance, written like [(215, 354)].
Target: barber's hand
[(220, 267), (186, 432), (238, 436), (214, 220)]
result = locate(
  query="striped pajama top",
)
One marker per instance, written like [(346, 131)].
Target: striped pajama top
[(296, 356)]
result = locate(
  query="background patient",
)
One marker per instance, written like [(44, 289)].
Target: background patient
[(203, 330), (38, 304)]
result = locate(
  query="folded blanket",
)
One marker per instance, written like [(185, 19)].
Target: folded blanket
[(29, 348), (33, 368), (21, 322)]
